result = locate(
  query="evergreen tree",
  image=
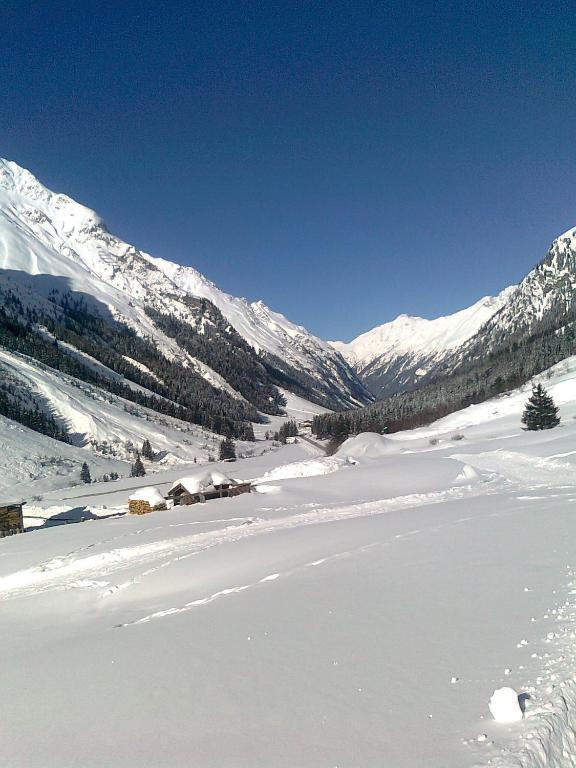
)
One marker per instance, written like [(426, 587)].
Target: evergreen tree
[(227, 449), (147, 451), (540, 411), (138, 468), (246, 432), (85, 473)]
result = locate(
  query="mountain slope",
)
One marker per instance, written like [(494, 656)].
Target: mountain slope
[(396, 356), (543, 301), (411, 351), (53, 246), (535, 328)]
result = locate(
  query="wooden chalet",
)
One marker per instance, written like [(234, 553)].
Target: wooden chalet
[(201, 488), (11, 519)]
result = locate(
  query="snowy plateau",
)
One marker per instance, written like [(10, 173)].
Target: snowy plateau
[(409, 601)]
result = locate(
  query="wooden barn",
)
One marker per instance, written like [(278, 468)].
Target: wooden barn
[(11, 519), (204, 487), (146, 500)]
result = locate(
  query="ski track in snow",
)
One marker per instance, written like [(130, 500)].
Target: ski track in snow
[(64, 572), (547, 735)]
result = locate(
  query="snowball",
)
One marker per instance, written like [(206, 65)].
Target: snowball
[(504, 706)]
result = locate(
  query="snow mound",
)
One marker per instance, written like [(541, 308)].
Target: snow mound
[(270, 489), (367, 445), (150, 494), (309, 468), (504, 706), (467, 474)]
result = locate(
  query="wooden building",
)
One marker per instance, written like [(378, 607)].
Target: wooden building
[(11, 519), (204, 487), (146, 500)]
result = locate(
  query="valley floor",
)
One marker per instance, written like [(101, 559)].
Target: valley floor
[(344, 615)]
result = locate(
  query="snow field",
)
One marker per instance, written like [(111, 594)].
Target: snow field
[(359, 617)]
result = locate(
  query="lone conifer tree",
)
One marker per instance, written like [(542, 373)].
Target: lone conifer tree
[(227, 449), (138, 468), (147, 451), (85, 473), (540, 411)]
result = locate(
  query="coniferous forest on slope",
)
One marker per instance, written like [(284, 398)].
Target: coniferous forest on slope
[(512, 363), (173, 389)]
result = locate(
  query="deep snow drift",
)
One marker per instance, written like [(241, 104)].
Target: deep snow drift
[(360, 617)]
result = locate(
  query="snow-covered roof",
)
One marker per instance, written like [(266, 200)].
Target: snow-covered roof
[(150, 494), (202, 480)]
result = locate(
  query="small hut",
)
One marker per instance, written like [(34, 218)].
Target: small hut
[(206, 486), (145, 500), (11, 519)]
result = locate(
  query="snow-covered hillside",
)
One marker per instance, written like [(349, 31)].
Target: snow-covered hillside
[(545, 296), (357, 610), (29, 458), (109, 424), (408, 351), (394, 356), (49, 242)]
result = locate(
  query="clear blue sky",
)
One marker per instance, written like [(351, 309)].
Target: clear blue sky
[(343, 161)]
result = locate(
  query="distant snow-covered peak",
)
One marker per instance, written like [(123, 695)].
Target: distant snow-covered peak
[(411, 335)]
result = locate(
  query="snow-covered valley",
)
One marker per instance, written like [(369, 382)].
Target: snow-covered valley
[(357, 610), (287, 385)]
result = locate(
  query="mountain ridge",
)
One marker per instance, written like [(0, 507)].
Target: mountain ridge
[(48, 233), (395, 356)]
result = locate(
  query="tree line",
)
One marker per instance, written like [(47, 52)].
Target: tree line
[(173, 390), (514, 362)]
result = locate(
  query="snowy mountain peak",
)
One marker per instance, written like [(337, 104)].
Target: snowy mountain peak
[(18, 185), (47, 234), (417, 336)]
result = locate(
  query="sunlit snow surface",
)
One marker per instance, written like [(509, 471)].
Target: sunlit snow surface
[(360, 617)]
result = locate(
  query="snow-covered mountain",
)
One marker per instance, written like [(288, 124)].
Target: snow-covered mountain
[(52, 245), (396, 355), (543, 300), (409, 351)]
